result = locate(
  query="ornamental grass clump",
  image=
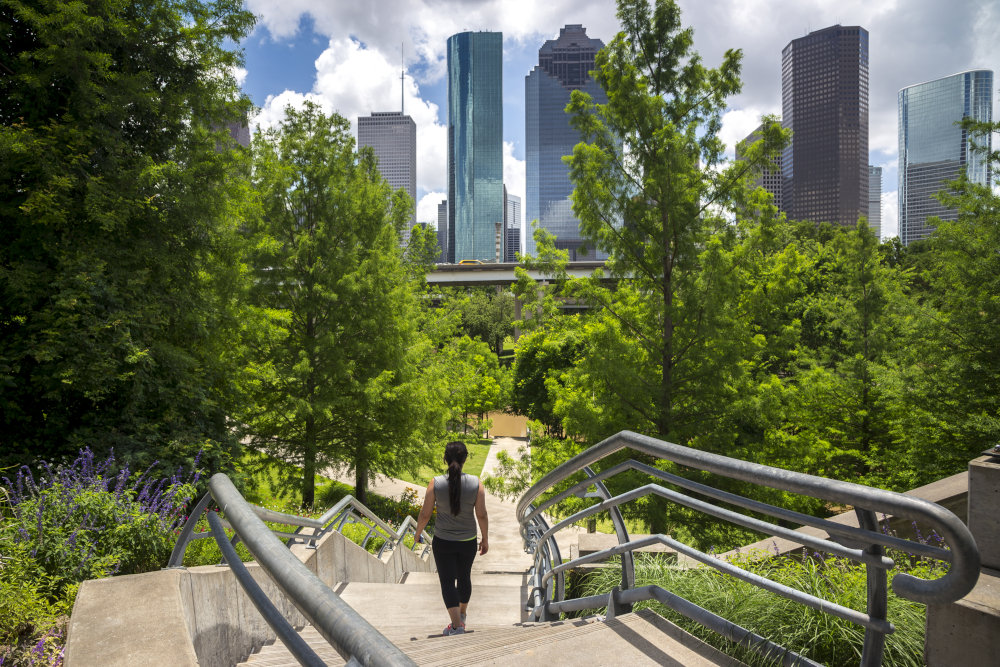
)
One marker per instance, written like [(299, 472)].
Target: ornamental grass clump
[(818, 636)]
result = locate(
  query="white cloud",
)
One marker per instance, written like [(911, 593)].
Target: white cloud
[(423, 26), (513, 172), (273, 111), (427, 207), (354, 81), (240, 74), (890, 214), (737, 124)]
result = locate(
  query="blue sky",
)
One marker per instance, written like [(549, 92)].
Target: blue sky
[(346, 57)]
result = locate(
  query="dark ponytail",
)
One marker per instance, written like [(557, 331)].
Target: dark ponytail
[(455, 454)]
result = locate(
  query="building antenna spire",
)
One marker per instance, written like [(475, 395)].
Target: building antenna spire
[(402, 69)]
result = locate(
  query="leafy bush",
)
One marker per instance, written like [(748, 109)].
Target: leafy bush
[(81, 521), (812, 633)]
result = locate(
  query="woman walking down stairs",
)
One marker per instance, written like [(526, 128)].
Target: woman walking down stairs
[(498, 631)]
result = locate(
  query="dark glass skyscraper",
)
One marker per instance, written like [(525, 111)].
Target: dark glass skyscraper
[(824, 100), (475, 144), (934, 150), (563, 66)]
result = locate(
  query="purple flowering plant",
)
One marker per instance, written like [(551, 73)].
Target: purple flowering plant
[(88, 519)]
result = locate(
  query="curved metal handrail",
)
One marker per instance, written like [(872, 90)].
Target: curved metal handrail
[(864, 544), (346, 511), (346, 630)]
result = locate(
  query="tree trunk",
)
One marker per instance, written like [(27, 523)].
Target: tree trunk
[(309, 464), (361, 480)]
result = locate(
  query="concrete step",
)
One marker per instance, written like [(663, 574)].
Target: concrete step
[(477, 579), (419, 609), (642, 638)]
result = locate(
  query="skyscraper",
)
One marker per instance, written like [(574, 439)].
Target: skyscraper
[(512, 226), (934, 150), (475, 144), (767, 178), (564, 65), (442, 231), (824, 100), (875, 199), (392, 135)]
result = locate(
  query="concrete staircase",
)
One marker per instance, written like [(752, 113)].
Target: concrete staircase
[(411, 615)]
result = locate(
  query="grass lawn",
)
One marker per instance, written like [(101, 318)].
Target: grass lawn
[(473, 465)]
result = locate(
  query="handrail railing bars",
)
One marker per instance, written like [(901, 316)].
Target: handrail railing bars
[(346, 630), (347, 510), (292, 640), (621, 531), (962, 555)]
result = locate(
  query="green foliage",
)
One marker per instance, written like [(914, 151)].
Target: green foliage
[(819, 636), (119, 192), (339, 366), (477, 383), (489, 316)]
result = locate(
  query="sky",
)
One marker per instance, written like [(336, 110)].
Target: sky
[(347, 57)]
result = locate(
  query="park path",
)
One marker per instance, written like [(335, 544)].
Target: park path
[(506, 554)]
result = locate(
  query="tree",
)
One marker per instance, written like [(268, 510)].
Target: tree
[(649, 192), (488, 314), (339, 363), (119, 259)]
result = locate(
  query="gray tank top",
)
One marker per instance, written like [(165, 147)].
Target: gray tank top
[(449, 526)]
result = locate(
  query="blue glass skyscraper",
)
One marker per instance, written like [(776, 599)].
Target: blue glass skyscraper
[(563, 66), (934, 150), (475, 145)]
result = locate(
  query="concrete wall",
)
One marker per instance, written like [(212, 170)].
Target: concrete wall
[(200, 615), (967, 632)]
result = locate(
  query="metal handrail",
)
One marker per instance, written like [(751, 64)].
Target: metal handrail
[(864, 544), (346, 511), (348, 632)]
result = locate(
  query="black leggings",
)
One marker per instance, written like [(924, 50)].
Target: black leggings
[(454, 565)]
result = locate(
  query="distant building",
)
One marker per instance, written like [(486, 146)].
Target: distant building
[(934, 150), (767, 178), (824, 101), (442, 231), (240, 132), (875, 199), (475, 144), (392, 135), (564, 65), (512, 226)]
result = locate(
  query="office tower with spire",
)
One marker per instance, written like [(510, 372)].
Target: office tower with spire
[(392, 135), (475, 144), (564, 65), (934, 150), (824, 101)]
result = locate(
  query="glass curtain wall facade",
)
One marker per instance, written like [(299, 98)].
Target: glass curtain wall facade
[(392, 135), (564, 65), (934, 150), (442, 231), (475, 145), (824, 101)]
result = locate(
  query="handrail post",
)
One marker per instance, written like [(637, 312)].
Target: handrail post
[(628, 562), (177, 555), (878, 603)]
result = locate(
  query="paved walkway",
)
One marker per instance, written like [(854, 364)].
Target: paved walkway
[(506, 552)]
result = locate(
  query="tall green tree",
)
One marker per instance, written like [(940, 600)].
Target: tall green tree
[(339, 364), (119, 259), (649, 192)]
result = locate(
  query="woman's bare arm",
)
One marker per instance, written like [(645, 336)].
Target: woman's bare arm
[(484, 522), (425, 512)]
